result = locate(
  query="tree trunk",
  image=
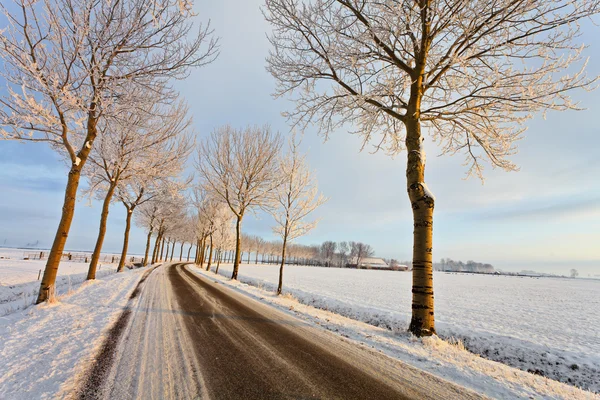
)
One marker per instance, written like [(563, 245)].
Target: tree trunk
[(202, 251), (238, 247), (422, 201), (148, 239), (125, 240), (210, 254), (189, 251), (172, 250), (101, 232), (156, 245), (62, 233), (181, 251), (218, 261), (162, 249), (280, 287)]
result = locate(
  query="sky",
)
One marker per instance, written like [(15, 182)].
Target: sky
[(545, 217)]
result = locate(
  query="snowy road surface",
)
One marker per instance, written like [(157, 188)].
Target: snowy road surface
[(188, 337)]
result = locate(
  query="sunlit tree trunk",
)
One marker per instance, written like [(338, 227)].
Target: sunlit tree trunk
[(60, 238), (238, 247), (422, 202), (209, 262), (101, 232), (280, 286), (148, 239), (125, 240)]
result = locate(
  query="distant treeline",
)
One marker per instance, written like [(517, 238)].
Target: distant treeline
[(447, 264)]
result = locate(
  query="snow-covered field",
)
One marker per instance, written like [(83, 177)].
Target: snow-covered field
[(545, 325), (19, 282), (44, 349)]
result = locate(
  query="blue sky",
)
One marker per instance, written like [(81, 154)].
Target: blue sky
[(545, 217)]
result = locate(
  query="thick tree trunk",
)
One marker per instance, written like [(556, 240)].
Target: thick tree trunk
[(210, 254), (148, 239), (280, 286), (125, 240), (218, 261), (189, 251), (68, 210), (101, 232), (422, 201), (172, 250), (181, 251), (238, 247)]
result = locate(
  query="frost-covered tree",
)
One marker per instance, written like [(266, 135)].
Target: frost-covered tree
[(295, 199), (239, 167), (65, 62), (468, 73), (139, 148)]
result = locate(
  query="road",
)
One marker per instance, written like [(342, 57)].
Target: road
[(188, 337)]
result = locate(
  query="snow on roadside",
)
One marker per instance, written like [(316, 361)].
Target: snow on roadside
[(439, 357), (43, 349), (543, 326), (19, 287)]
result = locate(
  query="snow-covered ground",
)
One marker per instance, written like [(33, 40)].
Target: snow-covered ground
[(19, 284), (44, 349), (545, 325)]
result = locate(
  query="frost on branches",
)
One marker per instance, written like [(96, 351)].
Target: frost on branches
[(469, 73)]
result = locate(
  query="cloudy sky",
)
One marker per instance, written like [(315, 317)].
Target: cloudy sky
[(545, 217)]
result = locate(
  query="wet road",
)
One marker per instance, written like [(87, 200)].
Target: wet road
[(189, 337)]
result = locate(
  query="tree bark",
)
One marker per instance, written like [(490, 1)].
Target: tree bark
[(238, 247), (172, 250), (218, 261), (68, 210), (162, 248), (156, 245), (422, 201), (280, 287), (148, 239), (101, 232), (202, 251), (189, 251), (181, 251), (125, 240), (210, 254)]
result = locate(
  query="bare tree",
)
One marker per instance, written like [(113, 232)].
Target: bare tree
[(65, 62), (296, 197), (240, 168), (574, 273), (145, 145), (359, 251), (328, 251), (343, 251), (470, 73)]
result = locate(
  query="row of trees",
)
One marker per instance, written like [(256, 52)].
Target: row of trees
[(91, 79), (469, 73), (242, 171)]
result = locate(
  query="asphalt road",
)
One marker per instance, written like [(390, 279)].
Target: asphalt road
[(189, 338)]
